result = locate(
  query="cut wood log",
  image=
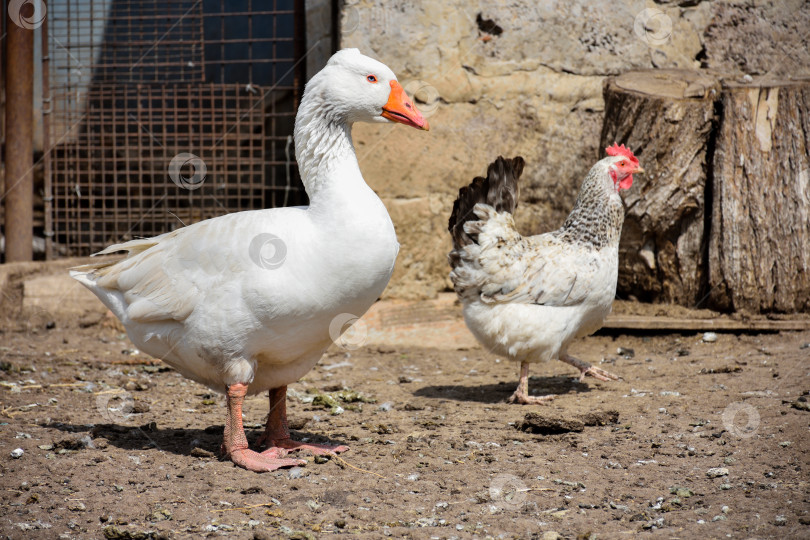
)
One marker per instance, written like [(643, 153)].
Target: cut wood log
[(724, 211), (666, 117), (759, 249)]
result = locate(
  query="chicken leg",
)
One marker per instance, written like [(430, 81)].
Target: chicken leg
[(276, 436), (235, 445), (521, 395), (587, 369)]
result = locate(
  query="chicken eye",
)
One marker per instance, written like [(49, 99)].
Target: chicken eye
[(371, 79)]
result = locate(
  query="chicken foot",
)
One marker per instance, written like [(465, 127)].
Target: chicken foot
[(521, 395), (235, 445), (276, 435), (587, 369)]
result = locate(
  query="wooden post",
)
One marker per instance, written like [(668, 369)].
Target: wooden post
[(19, 190), (666, 118)]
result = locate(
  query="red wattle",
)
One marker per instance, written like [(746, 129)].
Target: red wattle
[(626, 182)]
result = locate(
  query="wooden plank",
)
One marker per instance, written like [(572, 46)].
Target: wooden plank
[(445, 312), (640, 322)]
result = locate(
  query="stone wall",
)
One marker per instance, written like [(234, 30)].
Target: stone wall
[(525, 77)]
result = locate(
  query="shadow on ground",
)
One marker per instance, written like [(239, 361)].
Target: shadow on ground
[(198, 442), (494, 393)]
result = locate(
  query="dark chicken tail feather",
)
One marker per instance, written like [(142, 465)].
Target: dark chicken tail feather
[(499, 190)]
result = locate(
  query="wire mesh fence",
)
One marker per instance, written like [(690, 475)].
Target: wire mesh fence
[(166, 113)]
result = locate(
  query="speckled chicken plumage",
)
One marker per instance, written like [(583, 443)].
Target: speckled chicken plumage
[(596, 219)]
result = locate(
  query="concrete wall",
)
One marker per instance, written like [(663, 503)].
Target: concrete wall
[(525, 77)]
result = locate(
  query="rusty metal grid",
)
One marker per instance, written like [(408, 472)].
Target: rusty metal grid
[(127, 40), (114, 182), (145, 94)]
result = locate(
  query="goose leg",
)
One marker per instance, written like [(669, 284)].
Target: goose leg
[(235, 446), (587, 369), (521, 395), (276, 435)]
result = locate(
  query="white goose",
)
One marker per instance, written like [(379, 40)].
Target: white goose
[(243, 303)]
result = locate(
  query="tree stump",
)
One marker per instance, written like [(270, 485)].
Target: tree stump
[(666, 117), (759, 248)]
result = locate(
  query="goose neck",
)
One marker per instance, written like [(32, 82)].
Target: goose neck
[(324, 151)]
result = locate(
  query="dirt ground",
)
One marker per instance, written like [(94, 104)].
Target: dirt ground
[(708, 440)]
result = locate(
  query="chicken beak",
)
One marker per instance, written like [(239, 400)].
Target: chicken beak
[(400, 109), (638, 170)]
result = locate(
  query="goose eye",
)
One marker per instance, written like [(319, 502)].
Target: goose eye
[(371, 79)]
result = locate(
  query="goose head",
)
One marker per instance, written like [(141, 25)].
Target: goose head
[(355, 88)]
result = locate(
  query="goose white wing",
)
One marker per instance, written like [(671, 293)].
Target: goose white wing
[(165, 278)]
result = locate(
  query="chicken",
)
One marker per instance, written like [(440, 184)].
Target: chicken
[(528, 298)]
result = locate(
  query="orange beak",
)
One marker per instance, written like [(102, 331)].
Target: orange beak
[(400, 109)]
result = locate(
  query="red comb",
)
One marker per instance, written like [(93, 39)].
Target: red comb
[(621, 150)]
